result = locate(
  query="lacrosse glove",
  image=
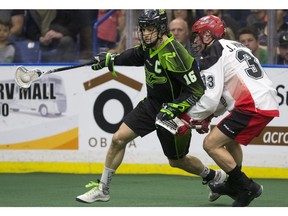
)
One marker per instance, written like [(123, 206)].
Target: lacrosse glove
[(200, 126), (204, 124), (104, 59), (169, 111)]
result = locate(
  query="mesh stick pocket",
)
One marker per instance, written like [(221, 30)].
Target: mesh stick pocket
[(24, 77), (170, 125)]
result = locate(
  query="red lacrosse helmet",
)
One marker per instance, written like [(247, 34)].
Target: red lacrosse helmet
[(210, 23)]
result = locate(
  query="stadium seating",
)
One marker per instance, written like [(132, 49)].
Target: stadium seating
[(27, 51)]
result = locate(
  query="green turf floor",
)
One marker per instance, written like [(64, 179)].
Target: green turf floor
[(60, 190)]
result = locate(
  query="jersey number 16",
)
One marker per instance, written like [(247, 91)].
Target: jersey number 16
[(190, 77)]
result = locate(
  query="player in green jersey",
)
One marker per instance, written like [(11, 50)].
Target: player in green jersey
[(173, 85)]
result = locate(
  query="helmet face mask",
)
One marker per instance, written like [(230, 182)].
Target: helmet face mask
[(149, 19), (149, 36), (197, 44)]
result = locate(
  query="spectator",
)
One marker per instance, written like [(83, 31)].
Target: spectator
[(57, 31), (281, 26), (186, 15), (239, 15), (249, 38), (179, 28), (121, 45), (86, 35), (282, 57), (7, 50), (32, 26), (257, 19), (64, 31), (229, 34), (109, 31), (16, 17)]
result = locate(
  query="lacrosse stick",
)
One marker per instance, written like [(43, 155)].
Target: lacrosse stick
[(175, 124), (24, 77)]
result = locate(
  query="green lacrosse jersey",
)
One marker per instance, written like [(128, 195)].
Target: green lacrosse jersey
[(172, 74)]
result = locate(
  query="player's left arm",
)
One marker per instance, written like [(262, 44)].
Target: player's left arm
[(192, 87), (187, 74)]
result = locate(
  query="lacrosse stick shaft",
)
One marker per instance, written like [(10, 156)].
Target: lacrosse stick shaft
[(70, 67)]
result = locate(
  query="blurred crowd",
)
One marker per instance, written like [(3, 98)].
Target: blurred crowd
[(42, 36)]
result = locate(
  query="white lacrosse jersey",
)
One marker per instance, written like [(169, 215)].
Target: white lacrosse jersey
[(234, 80)]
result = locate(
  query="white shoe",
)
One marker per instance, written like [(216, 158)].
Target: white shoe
[(95, 194), (220, 177)]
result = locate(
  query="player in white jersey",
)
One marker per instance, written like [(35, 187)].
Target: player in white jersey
[(236, 82)]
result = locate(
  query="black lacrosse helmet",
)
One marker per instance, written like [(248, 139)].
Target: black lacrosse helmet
[(154, 18)]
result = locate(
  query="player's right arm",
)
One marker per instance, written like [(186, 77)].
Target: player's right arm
[(130, 57)]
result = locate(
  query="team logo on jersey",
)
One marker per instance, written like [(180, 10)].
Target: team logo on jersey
[(152, 78), (169, 55)]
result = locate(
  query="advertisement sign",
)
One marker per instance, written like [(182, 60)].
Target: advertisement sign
[(72, 115)]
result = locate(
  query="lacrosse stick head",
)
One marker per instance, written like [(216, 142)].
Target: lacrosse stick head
[(179, 126), (25, 77), (170, 125)]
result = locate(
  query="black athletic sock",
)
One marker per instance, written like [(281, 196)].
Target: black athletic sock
[(238, 178), (236, 173)]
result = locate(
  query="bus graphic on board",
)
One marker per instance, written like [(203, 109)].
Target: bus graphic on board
[(45, 96)]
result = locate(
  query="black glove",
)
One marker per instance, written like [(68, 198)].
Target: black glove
[(171, 110), (168, 111), (104, 59)]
